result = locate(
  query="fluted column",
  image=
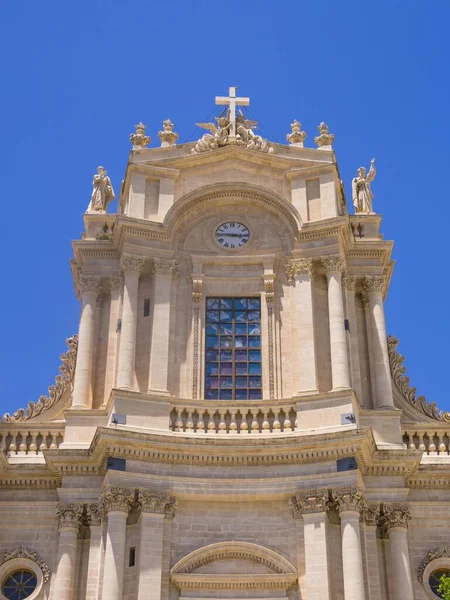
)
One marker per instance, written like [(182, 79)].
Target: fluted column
[(350, 503), (349, 284), (82, 386), (115, 286), (132, 267), (69, 522), (164, 270), (116, 504), (396, 516), (155, 507), (379, 356), (95, 551), (311, 506), (371, 520), (338, 344), (302, 272)]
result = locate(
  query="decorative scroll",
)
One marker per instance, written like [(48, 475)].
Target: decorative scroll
[(442, 551), (63, 382), (69, 515), (24, 552), (156, 502), (348, 499), (396, 514), (429, 409), (309, 502)]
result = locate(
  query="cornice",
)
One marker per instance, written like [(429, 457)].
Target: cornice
[(233, 581), (154, 172)]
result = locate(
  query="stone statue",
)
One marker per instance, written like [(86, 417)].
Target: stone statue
[(103, 192), (218, 136), (247, 137), (361, 193)]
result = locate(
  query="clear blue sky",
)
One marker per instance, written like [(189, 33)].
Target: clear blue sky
[(77, 76)]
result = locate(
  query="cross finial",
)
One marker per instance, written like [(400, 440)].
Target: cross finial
[(232, 101)]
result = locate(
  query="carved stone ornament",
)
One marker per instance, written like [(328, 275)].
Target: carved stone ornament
[(63, 382), (117, 499), (362, 196), (374, 284), (138, 138), (269, 288), (325, 138), (442, 551), (372, 514), (349, 498), (429, 409), (349, 282), (303, 266), (132, 263), (25, 552), (102, 192), (165, 266), (69, 515), (332, 264), (396, 514), (197, 286), (94, 515), (297, 136), (89, 284), (160, 503), (309, 502), (115, 281), (168, 136)]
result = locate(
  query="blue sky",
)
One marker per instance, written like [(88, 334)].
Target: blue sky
[(78, 76)]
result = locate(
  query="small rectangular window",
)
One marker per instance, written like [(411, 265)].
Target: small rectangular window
[(132, 556), (147, 307)]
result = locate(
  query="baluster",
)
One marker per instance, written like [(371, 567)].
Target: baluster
[(189, 423), (442, 446), (431, 444), (33, 445), (222, 423), (179, 421), (43, 444), (412, 443), (421, 442), (255, 424), (265, 427), (276, 427), (53, 443), (23, 444), (287, 422), (13, 444), (244, 424), (211, 427), (233, 423), (201, 423)]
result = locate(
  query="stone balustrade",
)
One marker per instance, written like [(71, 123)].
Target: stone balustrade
[(233, 419), (20, 439), (433, 440)]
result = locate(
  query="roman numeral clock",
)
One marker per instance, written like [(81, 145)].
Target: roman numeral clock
[(232, 235)]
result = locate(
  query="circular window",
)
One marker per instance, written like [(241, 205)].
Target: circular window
[(434, 580), (19, 584)]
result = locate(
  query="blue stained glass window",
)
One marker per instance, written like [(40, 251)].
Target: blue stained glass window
[(434, 580), (19, 585), (233, 349)]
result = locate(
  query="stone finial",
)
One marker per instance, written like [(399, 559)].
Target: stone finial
[(117, 499), (396, 514), (303, 266), (309, 502), (349, 498), (168, 136), (156, 502), (139, 139), (325, 139), (69, 515), (297, 136)]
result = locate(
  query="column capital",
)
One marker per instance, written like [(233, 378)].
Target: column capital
[(132, 263), (165, 266), (156, 502), (117, 499), (372, 514), (309, 502), (332, 264), (115, 281), (302, 266), (69, 515), (374, 284), (349, 498), (349, 282), (90, 284), (396, 514), (94, 514)]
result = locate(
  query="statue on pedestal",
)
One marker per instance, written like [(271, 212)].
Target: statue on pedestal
[(361, 193), (103, 192)]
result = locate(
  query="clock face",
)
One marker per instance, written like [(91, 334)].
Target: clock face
[(232, 235)]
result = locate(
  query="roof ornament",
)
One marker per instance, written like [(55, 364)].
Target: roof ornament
[(361, 193), (168, 136), (297, 136), (325, 140), (139, 139), (232, 129)]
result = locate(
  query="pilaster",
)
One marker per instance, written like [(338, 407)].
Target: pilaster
[(69, 517), (396, 516)]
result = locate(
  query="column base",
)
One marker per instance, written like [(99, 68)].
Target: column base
[(158, 392)]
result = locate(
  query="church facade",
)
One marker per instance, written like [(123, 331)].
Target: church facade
[(231, 420)]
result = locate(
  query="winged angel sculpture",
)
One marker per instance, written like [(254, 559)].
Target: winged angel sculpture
[(226, 133)]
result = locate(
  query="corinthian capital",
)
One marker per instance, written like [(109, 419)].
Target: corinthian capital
[(117, 499), (115, 281), (94, 514), (372, 514), (374, 284), (132, 263), (90, 283), (165, 266), (160, 503), (349, 282), (69, 515), (332, 264), (309, 502), (302, 266), (396, 514), (349, 499)]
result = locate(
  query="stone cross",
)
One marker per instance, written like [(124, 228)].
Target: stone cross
[(232, 101)]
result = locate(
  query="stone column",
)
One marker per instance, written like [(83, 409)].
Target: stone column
[(312, 507), (350, 503), (116, 503), (379, 356), (302, 272), (115, 286), (163, 270), (371, 519), (396, 516), (338, 343), (132, 267), (69, 522), (95, 551), (155, 507), (349, 283), (82, 385)]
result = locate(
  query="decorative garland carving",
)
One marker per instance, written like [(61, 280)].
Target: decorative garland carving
[(25, 552), (69, 515), (442, 551), (309, 502), (160, 503), (55, 392), (429, 409), (348, 498)]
